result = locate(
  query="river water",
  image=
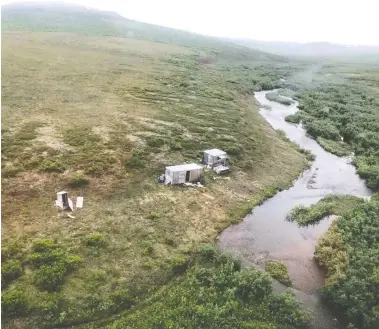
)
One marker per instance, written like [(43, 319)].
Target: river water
[(264, 234)]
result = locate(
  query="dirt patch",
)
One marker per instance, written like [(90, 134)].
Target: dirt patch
[(103, 132), (137, 140), (48, 136)]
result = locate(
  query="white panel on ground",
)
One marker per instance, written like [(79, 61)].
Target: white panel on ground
[(59, 204), (79, 202), (70, 204)]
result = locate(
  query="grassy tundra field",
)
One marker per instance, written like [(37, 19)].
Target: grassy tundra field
[(87, 110)]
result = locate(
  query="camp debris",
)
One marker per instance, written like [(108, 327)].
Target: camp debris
[(198, 184)]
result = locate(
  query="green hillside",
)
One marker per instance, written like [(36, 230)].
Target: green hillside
[(68, 18), (87, 110)]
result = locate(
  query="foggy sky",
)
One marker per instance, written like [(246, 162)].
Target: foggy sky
[(347, 22)]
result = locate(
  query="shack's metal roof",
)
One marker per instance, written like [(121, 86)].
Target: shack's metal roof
[(184, 167), (215, 152)]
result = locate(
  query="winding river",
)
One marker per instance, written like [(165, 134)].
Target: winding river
[(264, 234)]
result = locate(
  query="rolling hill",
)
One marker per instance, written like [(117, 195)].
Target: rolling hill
[(57, 17)]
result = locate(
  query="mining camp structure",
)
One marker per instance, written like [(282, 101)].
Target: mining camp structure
[(185, 173), (216, 160)]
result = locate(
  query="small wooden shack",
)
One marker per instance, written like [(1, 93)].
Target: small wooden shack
[(63, 201), (215, 157), (185, 173)]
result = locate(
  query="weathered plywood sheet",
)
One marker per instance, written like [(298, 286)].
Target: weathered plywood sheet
[(79, 202), (59, 204), (70, 204)]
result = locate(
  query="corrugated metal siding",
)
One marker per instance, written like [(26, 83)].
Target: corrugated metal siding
[(179, 177), (175, 177), (184, 167), (195, 175), (210, 159)]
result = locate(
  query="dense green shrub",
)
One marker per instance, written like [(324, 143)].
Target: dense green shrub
[(72, 262), (215, 293), (50, 306), (11, 250), (329, 205), (52, 264), (304, 216), (336, 147), (368, 168), (137, 159), (179, 263), (331, 253), (50, 277), (123, 297), (10, 270), (10, 171), (278, 271), (293, 118), (51, 166), (285, 310), (95, 240), (38, 259), (43, 245), (322, 128), (350, 252), (252, 286), (275, 97), (207, 252), (14, 303), (78, 180)]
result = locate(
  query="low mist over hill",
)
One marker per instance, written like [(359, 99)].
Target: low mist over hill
[(313, 49), (60, 17)]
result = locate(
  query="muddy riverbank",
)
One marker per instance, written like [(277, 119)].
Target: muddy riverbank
[(264, 234)]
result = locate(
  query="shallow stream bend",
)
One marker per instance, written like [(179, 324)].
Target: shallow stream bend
[(264, 234)]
